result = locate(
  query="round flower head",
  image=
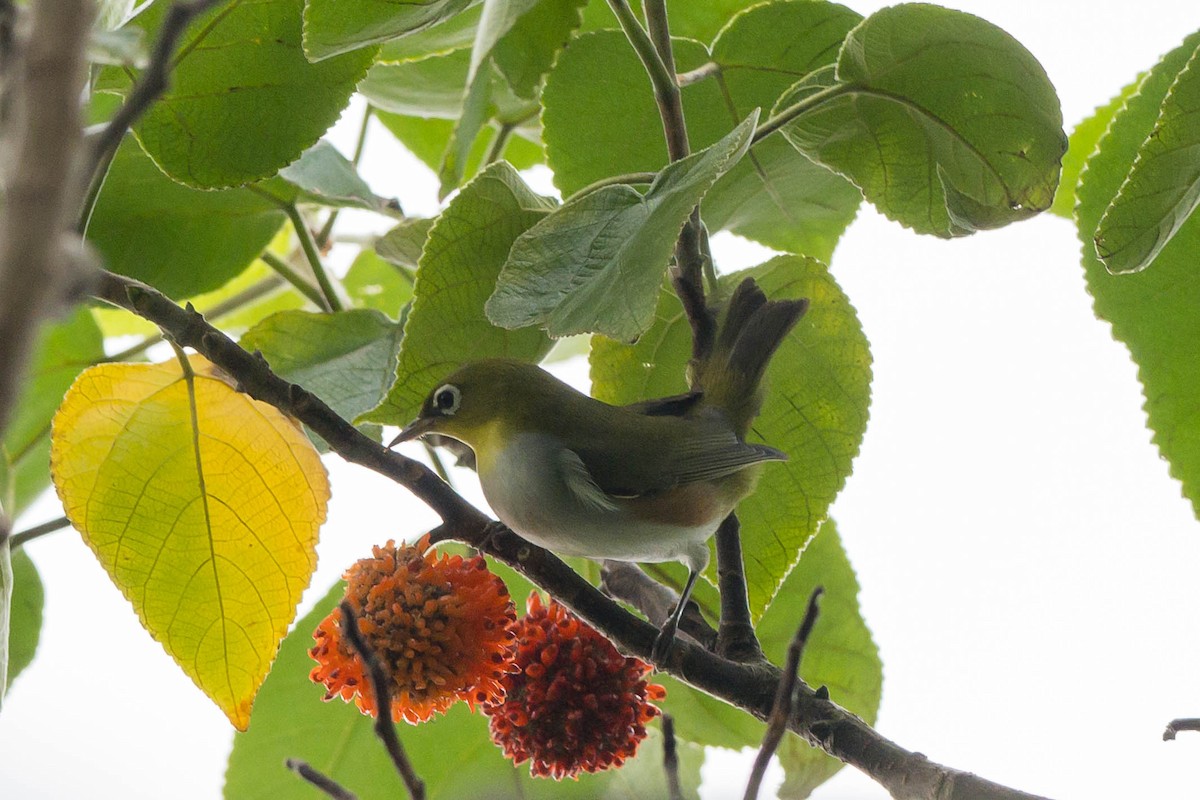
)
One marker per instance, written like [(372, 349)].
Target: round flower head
[(439, 626), (574, 704)]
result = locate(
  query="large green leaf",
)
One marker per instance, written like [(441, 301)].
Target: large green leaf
[(243, 101), (332, 27), (596, 263), (62, 351), (946, 123), (462, 257), (1163, 187), (818, 390), (25, 615), (347, 358), (453, 33), (1156, 312), (1082, 145), (775, 195), (182, 241), (452, 754)]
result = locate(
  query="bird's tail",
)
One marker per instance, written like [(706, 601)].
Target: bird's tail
[(751, 330)]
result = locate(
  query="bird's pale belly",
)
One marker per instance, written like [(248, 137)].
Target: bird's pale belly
[(526, 489)]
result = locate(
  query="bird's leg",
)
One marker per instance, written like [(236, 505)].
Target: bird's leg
[(666, 636)]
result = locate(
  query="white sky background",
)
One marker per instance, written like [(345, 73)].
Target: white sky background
[(1029, 568)]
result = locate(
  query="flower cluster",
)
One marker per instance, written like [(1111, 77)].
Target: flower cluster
[(574, 704), (442, 628)]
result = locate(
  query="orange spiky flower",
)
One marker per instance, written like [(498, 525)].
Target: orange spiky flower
[(440, 626), (574, 704)]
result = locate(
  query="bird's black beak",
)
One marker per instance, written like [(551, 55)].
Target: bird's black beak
[(413, 430)]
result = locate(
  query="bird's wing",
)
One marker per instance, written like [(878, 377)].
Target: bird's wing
[(581, 484), (708, 458), (706, 455)]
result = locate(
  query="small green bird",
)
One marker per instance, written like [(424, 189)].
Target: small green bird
[(649, 482)]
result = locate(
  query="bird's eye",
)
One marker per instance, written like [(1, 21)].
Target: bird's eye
[(446, 399)]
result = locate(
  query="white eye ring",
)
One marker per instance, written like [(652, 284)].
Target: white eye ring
[(447, 399)]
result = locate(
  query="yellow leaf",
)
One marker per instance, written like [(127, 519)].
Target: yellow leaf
[(202, 504)]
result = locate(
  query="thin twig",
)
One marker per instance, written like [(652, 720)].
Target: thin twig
[(385, 728), (150, 85), (821, 722), (700, 73), (781, 709), (311, 252), (285, 271), (319, 780), (735, 632), (671, 758), (777, 121), (687, 273), (503, 136), (1177, 725), (20, 539)]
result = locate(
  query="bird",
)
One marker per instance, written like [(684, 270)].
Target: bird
[(648, 482)]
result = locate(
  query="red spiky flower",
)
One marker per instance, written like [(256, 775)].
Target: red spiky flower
[(574, 704), (440, 626)]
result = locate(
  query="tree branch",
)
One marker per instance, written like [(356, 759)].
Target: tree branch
[(25, 536), (751, 687), (311, 252), (781, 709), (42, 264), (1177, 725), (385, 727)]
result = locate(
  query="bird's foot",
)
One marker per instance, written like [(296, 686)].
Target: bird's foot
[(663, 642)]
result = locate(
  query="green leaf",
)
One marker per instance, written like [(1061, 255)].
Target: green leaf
[(453, 33), (774, 196), (692, 20), (403, 244), (25, 615), (524, 37), (332, 27), (1163, 187), (243, 100), (375, 283), (946, 123), (346, 358), (453, 753), (327, 177), (427, 139), (429, 87), (818, 391), (179, 240), (595, 265), (62, 351), (1155, 312), (462, 257), (840, 655), (1082, 145)]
